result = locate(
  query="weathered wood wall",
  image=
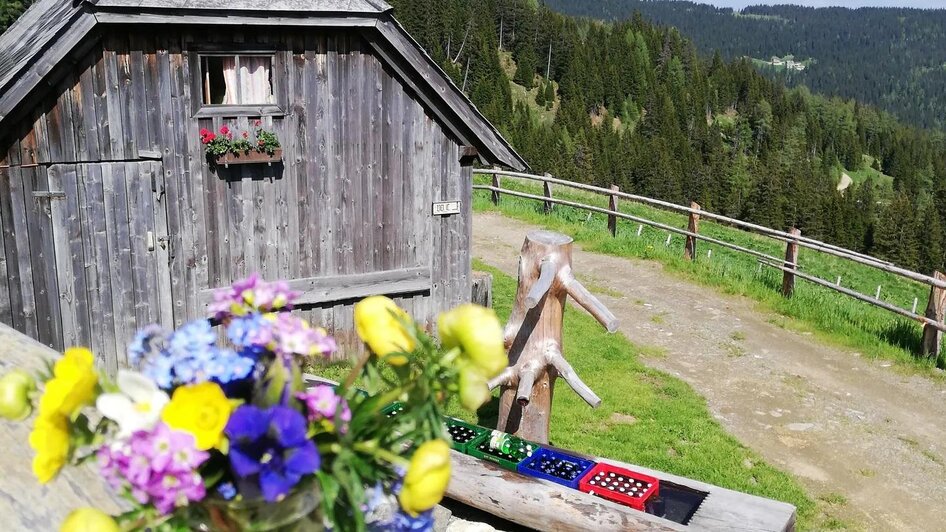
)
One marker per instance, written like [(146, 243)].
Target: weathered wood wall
[(112, 152)]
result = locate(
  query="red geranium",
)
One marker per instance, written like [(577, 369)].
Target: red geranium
[(224, 130), (258, 123), (207, 136)]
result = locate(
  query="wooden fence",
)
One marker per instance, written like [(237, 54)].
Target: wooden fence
[(932, 319)]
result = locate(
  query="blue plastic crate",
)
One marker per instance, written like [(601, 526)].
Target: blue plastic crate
[(560, 468)]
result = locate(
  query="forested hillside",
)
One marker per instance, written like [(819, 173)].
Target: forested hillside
[(894, 58), (639, 107)]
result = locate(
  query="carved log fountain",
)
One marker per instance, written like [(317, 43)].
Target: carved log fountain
[(533, 336)]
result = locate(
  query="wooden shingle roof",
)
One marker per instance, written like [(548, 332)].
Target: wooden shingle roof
[(51, 29)]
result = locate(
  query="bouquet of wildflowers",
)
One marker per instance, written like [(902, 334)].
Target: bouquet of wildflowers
[(223, 434)]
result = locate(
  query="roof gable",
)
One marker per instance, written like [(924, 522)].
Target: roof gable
[(51, 29)]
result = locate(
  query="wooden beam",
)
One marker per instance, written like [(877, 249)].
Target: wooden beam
[(693, 226), (543, 505), (316, 290), (791, 264), (188, 16), (613, 206), (932, 336)]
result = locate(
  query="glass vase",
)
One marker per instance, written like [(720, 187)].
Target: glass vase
[(300, 511)]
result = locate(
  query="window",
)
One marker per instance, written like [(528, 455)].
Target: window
[(237, 79)]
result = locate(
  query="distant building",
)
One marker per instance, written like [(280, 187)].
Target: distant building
[(777, 61)]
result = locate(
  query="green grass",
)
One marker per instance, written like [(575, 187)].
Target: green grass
[(526, 96), (827, 314), (882, 181), (673, 431)]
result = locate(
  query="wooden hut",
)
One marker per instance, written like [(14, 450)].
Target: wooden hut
[(112, 216)]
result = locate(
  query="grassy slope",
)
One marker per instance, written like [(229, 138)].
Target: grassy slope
[(882, 181), (834, 317), (521, 94)]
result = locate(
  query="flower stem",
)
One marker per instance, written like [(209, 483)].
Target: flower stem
[(356, 370), (381, 453)]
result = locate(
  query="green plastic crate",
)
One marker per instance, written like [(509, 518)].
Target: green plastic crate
[(393, 409), (462, 434), (522, 449)]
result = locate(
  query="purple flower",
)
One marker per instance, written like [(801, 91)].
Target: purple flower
[(323, 403), (251, 295), (271, 445), (158, 466)]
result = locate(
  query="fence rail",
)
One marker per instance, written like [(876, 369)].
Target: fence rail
[(932, 321)]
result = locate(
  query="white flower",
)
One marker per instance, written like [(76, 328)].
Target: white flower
[(137, 407)]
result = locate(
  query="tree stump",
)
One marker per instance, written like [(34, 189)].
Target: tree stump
[(533, 336)]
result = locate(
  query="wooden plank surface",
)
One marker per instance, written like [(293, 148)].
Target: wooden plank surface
[(24, 503), (340, 288)]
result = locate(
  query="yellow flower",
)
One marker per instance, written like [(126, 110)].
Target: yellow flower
[(50, 440), (378, 323), (427, 477), (88, 520), (72, 386), (477, 332), (202, 410), (474, 391)]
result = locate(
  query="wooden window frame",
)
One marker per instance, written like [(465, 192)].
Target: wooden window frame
[(277, 72)]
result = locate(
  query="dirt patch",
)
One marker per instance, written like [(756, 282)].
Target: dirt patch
[(843, 425)]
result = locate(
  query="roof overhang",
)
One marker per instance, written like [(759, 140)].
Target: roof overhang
[(393, 45)]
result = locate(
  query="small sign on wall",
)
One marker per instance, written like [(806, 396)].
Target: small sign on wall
[(445, 208)]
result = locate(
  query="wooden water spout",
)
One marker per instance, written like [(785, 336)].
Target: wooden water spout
[(533, 336)]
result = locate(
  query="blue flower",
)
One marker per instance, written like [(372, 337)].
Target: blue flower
[(146, 343), (227, 490), (194, 339), (271, 446), (250, 332), (405, 523), (191, 356)]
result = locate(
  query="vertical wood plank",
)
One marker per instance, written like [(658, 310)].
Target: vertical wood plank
[(100, 106), (97, 270), (13, 223), (196, 216), (6, 308), (119, 257), (374, 154), (127, 101), (70, 257), (42, 257), (141, 222), (113, 103), (86, 114)]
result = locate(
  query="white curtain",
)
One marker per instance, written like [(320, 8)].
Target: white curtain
[(254, 80), (230, 81)]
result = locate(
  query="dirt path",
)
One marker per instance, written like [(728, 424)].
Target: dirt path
[(841, 424)]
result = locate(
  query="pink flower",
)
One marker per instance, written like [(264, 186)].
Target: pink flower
[(224, 130), (294, 336), (157, 466), (258, 123), (207, 136), (323, 403), (251, 295), (246, 135)]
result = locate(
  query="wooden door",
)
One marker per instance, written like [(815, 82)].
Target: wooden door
[(112, 254)]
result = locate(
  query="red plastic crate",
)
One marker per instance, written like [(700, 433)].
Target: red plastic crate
[(620, 485)]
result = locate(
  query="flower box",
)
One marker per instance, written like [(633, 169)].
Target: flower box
[(462, 434), (250, 157), (560, 468), (620, 485), (521, 449)]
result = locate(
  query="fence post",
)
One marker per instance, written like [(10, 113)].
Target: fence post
[(496, 184), (791, 262), (934, 311), (613, 206), (547, 192), (689, 249)]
